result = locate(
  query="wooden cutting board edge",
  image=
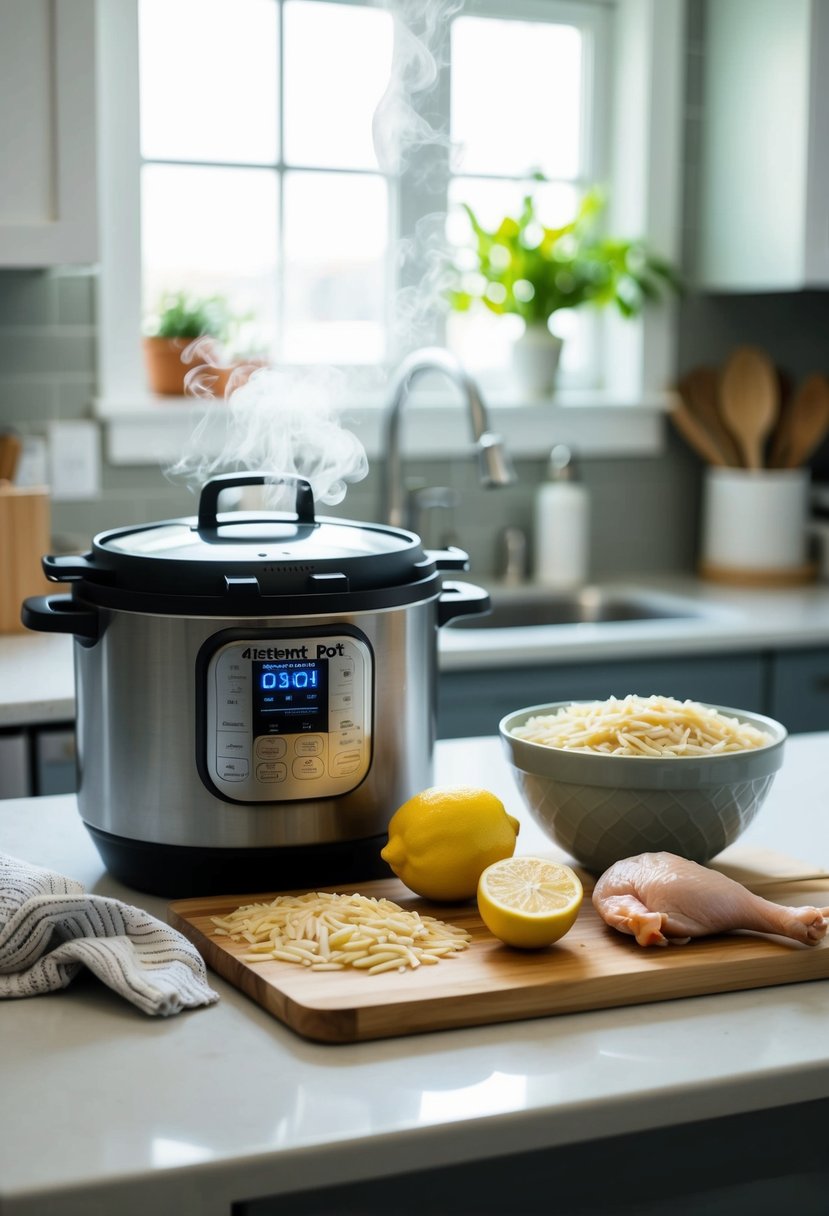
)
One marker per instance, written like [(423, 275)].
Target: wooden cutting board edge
[(444, 997)]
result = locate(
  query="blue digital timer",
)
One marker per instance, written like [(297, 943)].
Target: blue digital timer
[(290, 696)]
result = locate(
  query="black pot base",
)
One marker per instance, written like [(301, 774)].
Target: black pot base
[(181, 871)]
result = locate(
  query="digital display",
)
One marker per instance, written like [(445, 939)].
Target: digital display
[(290, 697)]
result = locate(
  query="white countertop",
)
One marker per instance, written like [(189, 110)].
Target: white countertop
[(108, 1110), (37, 681)]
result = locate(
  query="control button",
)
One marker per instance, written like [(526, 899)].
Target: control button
[(309, 745), (342, 700), (237, 723), (271, 770), (308, 767), (345, 763), (233, 678), (271, 747), (341, 722), (349, 739), (232, 768), (342, 674), (231, 743)]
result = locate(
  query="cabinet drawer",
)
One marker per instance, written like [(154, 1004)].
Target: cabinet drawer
[(799, 689), (15, 781)]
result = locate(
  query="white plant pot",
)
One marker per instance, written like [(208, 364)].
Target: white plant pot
[(535, 359)]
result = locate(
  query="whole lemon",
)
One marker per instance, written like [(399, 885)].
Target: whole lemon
[(442, 840)]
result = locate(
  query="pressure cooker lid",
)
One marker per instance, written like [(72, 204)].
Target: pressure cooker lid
[(265, 552)]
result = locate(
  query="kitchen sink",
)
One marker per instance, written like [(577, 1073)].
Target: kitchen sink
[(534, 607)]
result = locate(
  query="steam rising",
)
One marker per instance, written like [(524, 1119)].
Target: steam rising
[(401, 125), (288, 421), (278, 421), (419, 52)]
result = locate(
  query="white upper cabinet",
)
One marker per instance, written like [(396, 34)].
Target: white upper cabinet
[(764, 202), (48, 190)]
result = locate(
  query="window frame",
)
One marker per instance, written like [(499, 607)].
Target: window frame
[(642, 152)]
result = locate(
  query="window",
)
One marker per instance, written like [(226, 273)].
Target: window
[(525, 98), (621, 55), (282, 170)]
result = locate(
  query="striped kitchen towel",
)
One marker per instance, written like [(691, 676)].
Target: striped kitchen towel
[(49, 929)]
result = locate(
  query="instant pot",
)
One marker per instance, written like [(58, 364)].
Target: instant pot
[(256, 691)]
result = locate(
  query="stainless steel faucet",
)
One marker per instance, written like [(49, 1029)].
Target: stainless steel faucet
[(495, 465)]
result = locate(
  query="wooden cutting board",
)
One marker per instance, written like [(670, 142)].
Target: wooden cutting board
[(593, 967)]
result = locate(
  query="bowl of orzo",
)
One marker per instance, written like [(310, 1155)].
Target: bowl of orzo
[(639, 774)]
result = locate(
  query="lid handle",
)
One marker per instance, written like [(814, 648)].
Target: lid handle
[(209, 497)]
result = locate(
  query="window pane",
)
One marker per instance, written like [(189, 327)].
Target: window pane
[(212, 231), (480, 337), (555, 203), (336, 241), (516, 97), (209, 75), (337, 64)]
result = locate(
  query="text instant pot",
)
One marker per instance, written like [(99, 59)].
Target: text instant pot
[(267, 653)]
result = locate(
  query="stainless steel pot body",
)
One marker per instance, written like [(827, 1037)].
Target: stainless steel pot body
[(139, 723)]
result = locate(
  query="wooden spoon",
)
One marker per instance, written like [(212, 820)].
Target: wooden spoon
[(699, 389), (7, 457), (749, 401), (803, 424), (692, 430), (781, 437), (12, 451)]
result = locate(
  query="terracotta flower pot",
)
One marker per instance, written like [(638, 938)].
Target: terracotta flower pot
[(165, 366), (167, 370)]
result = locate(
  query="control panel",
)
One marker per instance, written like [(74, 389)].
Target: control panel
[(289, 717)]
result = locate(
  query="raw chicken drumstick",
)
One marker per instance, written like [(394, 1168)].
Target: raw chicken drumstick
[(659, 898)]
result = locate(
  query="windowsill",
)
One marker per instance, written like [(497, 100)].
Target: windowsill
[(150, 430)]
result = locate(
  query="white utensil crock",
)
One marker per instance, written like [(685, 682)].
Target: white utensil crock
[(755, 520)]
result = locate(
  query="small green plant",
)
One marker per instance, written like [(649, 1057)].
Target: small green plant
[(532, 271), (181, 315)]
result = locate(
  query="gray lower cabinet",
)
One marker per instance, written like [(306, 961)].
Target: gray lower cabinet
[(473, 702), (799, 689)]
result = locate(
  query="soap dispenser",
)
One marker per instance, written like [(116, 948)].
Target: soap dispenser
[(562, 517)]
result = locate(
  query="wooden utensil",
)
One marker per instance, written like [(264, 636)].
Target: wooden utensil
[(699, 390), (749, 401), (804, 423), (11, 447), (5, 454), (24, 537), (695, 434)]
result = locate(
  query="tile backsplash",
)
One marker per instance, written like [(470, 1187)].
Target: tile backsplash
[(644, 510), (47, 373)]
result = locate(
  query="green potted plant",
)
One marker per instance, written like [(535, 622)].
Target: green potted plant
[(181, 319), (531, 271)]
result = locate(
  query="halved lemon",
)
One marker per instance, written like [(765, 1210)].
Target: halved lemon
[(529, 902)]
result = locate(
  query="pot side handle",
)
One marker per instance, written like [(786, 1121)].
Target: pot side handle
[(462, 599), (68, 569), (450, 558), (60, 614), (208, 519)]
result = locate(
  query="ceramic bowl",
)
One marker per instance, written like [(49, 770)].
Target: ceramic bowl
[(602, 808)]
